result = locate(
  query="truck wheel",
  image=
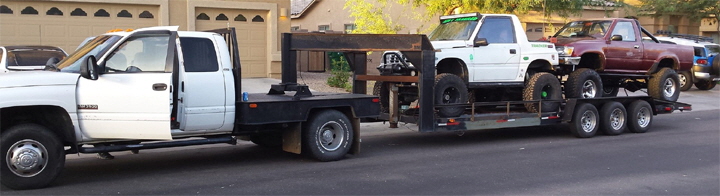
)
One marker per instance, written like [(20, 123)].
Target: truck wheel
[(542, 86), (705, 84), (583, 83), (327, 136), (381, 90), (613, 118), (686, 81), (664, 85), (450, 89), (33, 156), (585, 119), (269, 140), (639, 116), (610, 91)]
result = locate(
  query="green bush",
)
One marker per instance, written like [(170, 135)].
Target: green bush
[(340, 70)]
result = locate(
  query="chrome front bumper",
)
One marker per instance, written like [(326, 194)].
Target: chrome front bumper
[(568, 60)]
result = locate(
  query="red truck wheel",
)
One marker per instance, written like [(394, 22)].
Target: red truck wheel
[(583, 83), (664, 85)]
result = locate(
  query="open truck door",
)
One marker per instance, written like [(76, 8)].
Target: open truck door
[(131, 95)]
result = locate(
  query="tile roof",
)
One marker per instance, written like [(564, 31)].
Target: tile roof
[(297, 7)]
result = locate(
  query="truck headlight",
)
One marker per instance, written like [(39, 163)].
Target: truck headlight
[(567, 51)]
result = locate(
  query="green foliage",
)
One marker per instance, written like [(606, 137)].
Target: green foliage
[(694, 10), (340, 70), (369, 16)]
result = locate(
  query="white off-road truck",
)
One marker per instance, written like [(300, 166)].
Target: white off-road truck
[(488, 54)]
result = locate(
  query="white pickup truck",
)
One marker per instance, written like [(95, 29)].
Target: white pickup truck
[(487, 53), (154, 88)]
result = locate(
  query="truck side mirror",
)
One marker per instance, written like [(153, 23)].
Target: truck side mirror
[(480, 42), (89, 68), (616, 38)]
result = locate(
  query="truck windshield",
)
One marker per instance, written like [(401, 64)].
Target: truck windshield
[(596, 29), (455, 30), (96, 47)]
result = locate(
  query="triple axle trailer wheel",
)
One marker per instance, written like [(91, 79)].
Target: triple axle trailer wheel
[(612, 119)]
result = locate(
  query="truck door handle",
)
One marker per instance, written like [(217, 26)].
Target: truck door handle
[(159, 87), (513, 51), (636, 47)]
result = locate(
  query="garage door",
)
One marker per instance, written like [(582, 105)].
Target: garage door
[(67, 24), (251, 26)]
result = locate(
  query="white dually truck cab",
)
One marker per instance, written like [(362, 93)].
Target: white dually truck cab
[(486, 53), (158, 87)]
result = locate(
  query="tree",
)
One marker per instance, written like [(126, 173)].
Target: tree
[(693, 9), (369, 17)]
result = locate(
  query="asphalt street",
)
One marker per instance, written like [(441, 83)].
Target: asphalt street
[(680, 155)]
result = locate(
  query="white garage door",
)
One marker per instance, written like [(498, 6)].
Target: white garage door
[(251, 26), (67, 24)]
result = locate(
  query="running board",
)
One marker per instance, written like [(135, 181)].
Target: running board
[(115, 148)]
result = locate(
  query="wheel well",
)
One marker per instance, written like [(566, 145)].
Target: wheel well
[(591, 60), (669, 63), (540, 65), (52, 117), (453, 66), (347, 110)]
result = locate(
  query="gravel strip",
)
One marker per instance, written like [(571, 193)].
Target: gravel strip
[(318, 82)]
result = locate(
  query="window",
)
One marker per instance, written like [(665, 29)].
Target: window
[(539, 29), (199, 55), (124, 14), (257, 18), (29, 10), (139, 54), (626, 30), (497, 30), (54, 11), (78, 12), (102, 13), (350, 27), (5, 10), (146, 14), (240, 18), (221, 17), (32, 57), (203, 16), (323, 27), (295, 28)]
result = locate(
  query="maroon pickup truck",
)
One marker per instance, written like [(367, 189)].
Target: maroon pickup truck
[(603, 55)]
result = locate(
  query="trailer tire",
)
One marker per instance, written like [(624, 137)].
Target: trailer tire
[(664, 85), (583, 83), (613, 118), (33, 156), (327, 136), (542, 86), (639, 116), (584, 122), (450, 89), (686, 80), (705, 84)]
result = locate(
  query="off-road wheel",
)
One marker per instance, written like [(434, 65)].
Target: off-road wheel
[(639, 116), (327, 136), (664, 85), (613, 118), (705, 84), (33, 156), (686, 80), (585, 121), (583, 83), (450, 89), (381, 90), (542, 86)]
